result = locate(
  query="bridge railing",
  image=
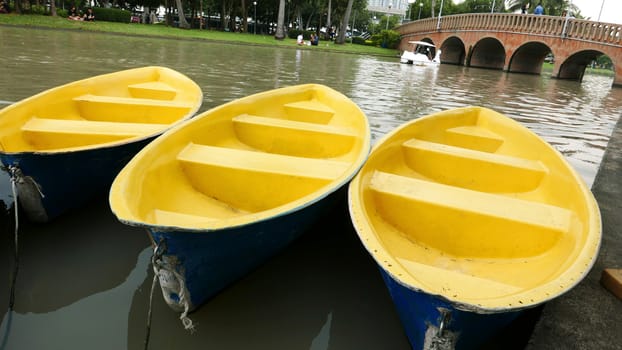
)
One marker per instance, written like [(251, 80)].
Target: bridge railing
[(573, 28)]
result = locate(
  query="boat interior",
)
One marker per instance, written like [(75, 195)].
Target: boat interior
[(112, 109), (471, 214), (246, 160)]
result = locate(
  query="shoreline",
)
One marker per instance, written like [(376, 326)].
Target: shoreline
[(160, 31)]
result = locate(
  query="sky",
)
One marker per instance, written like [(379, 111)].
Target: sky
[(612, 9)]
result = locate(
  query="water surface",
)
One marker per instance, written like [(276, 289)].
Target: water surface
[(84, 279)]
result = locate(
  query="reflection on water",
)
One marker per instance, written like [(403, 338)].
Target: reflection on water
[(87, 246), (90, 320), (577, 119), (323, 290), (86, 273)]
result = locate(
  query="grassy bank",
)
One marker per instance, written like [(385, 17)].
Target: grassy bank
[(162, 31), (548, 67), (600, 71)]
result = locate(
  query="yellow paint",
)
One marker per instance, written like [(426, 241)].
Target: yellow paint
[(446, 164), (308, 111), (283, 136), (245, 161), (472, 206), (130, 109), (155, 90), (50, 134), (105, 110), (225, 173), (467, 223), (473, 137)]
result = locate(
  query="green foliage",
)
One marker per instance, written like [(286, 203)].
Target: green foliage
[(358, 40), (393, 22), (476, 6), (386, 38), (551, 7), (163, 31), (111, 15), (37, 10), (62, 13), (293, 33), (605, 62), (449, 8), (339, 10)]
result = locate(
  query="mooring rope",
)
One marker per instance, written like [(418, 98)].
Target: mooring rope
[(183, 299), (442, 340), (162, 271), (15, 177), (153, 282)]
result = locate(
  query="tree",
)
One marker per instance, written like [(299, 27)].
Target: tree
[(604, 62), (18, 7), (182, 18), (244, 16), (432, 8), (551, 7), (344, 24), (53, 8), (280, 33), (475, 6), (328, 22), (392, 22)]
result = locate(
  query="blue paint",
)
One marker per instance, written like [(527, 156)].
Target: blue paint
[(70, 179), (211, 260), (418, 310)]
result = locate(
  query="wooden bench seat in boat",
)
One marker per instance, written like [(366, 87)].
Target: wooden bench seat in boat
[(474, 137), (128, 109), (473, 169), (453, 281), (225, 173), (171, 218), (153, 90), (491, 225), (309, 111), (293, 137), (47, 133)]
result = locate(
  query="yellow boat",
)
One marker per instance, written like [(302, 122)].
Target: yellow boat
[(224, 192), (472, 218), (65, 145)]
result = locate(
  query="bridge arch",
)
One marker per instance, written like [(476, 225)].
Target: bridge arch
[(519, 42), (487, 53), (528, 58), (453, 51), (574, 66)]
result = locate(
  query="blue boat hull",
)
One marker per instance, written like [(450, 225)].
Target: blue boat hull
[(421, 315), (68, 180), (210, 261)]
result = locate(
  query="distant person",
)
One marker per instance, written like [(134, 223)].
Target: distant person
[(314, 39), (523, 9), (539, 10), (89, 16), (299, 40), (4, 7), (74, 15)]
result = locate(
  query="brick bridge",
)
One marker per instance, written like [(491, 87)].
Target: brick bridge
[(519, 43)]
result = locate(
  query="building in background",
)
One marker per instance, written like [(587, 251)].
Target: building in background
[(388, 7)]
